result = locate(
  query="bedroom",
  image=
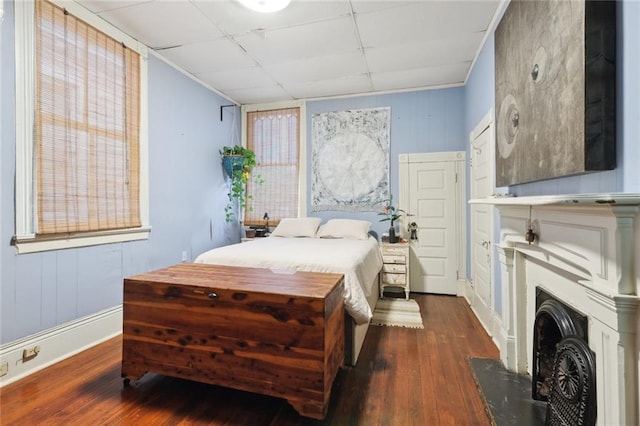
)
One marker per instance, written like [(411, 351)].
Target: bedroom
[(45, 290)]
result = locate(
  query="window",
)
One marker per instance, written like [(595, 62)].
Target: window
[(276, 135), (83, 116)]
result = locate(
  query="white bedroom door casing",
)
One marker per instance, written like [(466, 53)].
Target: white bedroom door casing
[(432, 191), (481, 294), (481, 219)]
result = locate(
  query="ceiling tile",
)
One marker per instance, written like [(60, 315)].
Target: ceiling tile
[(430, 20), (289, 44), (340, 86), (423, 54), (246, 78), (235, 19), (216, 55), (102, 5), (454, 74), (165, 23), (318, 68), (361, 7), (261, 95)]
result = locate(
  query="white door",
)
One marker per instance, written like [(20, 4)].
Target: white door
[(482, 186), (430, 194)]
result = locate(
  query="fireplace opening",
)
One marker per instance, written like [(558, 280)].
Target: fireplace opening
[(554, 321), (563, 372)]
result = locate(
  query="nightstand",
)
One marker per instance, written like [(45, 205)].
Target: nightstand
[(395, 267)]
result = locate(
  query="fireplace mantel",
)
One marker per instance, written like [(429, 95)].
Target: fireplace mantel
[(587, 254), (617, 199)]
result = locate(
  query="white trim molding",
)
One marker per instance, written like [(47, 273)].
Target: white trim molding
[(59, 343), (25, 106)]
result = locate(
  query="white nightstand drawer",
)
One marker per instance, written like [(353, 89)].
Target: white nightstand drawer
[(394, 268), (394, 259), (399, 279), (402, 251)]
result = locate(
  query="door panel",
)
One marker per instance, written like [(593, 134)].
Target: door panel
[(432, 198), (481, 218)]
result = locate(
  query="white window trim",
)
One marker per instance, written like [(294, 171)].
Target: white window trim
[(302, 174), (25, 239)]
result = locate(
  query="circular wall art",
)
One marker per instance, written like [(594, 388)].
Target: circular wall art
[(350, 160)]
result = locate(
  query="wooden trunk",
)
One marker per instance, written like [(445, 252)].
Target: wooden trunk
[(276, 333)]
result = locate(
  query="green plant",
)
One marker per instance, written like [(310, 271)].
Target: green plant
[(238, 168), (391, 212)]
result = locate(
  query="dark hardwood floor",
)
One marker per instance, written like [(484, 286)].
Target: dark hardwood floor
[(403, 377)]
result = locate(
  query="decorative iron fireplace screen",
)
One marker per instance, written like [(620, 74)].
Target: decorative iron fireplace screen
[(563, 365), (573, 391)]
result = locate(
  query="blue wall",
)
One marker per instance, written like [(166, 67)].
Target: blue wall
[(479, 98), (422, 121), (187, 195)]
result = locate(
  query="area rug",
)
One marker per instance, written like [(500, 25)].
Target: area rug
[(397, 313)]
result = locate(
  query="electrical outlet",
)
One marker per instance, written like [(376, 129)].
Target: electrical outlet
[(4, 369), (184, 256), (31, 352)]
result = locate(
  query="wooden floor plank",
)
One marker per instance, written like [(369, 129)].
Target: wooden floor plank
[(403, 377)]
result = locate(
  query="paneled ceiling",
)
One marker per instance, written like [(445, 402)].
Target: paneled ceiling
[(311, 49)]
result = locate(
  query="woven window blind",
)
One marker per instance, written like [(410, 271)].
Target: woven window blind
[(274, 136), (86, 127)]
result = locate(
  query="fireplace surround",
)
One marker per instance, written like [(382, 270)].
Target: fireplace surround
[(586, 255)]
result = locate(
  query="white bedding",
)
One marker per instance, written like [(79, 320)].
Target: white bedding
[(359, 261)]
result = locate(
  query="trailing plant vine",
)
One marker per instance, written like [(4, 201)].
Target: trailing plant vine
[(238, 162)]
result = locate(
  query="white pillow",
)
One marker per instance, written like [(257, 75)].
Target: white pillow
[(345, 228), (297, 227)]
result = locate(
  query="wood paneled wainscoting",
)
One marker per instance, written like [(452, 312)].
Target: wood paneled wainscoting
[(403, 377)]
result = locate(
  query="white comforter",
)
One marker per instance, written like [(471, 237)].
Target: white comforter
[(359, 261)]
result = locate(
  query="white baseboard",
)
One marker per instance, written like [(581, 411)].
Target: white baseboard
[(492, 323), (58, 343), (500, 337), (484, 314), (489, 319), (466, 291)]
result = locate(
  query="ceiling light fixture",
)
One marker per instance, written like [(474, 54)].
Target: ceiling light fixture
[(265, 6)]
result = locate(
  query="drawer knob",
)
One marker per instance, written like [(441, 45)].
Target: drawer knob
[(213, 295)]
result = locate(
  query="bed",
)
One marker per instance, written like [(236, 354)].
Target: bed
[(340, 246)]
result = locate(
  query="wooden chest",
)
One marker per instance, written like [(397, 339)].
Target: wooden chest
[(276, 333)]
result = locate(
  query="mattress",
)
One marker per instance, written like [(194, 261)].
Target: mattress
[(359, 260)]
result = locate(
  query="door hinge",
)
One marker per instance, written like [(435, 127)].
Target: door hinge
[(457, 275), (456, 178)]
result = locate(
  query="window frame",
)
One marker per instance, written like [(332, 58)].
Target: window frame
[(302, 166), (25, 239)]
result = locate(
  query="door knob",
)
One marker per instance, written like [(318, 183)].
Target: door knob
[(486, 243)]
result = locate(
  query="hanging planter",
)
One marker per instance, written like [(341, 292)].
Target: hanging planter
[(232, 163), (237, 163)]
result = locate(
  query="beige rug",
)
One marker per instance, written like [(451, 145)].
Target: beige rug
[(397, 313)]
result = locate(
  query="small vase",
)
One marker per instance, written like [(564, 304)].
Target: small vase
[(392, 234)]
